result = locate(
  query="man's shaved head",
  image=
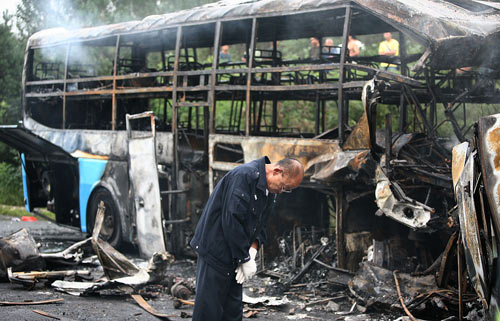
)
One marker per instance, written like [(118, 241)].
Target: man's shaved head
[(292, 167), (284, 175)]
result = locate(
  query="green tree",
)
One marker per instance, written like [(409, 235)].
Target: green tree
[(11, 66)]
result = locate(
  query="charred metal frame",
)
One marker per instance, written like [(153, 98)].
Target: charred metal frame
[(417, 93)]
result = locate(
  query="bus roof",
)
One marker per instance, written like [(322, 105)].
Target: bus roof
[(441, 24)]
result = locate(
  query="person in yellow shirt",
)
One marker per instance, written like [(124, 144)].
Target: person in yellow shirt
[(388, 47)]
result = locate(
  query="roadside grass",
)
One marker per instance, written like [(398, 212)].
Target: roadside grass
[(18, 211), (11, 193), (11, 187)]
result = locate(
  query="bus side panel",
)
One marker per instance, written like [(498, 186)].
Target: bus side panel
[(91, 171), (25, 184), (115, 180)]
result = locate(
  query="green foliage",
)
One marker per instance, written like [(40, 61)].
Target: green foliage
[(11, 67), (11, 189)]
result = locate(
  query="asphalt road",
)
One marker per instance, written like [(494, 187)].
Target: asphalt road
[(123, 307)]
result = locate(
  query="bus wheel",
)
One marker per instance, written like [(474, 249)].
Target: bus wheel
[(111, 230)]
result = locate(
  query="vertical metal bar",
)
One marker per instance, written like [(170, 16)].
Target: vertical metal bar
[(190, 118), (343, 51), (262, 106), (163, 62), (317, 115), (346, 111), (275, 116), (175, 169), (254, 113), (339, 228), (206, 124), (213, 77), (402, 53), (115, 71), (249, 76), (68, 48), (323, 114), (388, 142), (240, 111), (403, 106), (186, 56), (432, 109), (230, 126), (403, 114), (197, 119), (164, 68)]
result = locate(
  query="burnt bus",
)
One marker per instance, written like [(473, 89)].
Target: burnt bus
[(144, 116)]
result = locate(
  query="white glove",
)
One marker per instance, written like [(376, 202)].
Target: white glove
[(246, 270)]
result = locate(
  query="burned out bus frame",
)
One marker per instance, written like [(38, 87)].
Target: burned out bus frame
[(413, 92)]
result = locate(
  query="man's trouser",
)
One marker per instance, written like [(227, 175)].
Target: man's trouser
[(218, 296)]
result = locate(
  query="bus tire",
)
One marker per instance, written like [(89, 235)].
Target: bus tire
[(111, 230)]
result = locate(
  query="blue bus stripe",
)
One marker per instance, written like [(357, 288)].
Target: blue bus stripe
[(25, 183), (90, 171)]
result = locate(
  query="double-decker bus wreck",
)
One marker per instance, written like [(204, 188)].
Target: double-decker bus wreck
[(144, 116)]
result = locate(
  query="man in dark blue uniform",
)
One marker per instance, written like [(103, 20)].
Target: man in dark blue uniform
[(231, 229)]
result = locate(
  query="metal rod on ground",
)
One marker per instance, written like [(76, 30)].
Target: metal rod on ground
[(49, 315), (401, 297), (31, 302), (143, 304), (187, 302), (307, 265)]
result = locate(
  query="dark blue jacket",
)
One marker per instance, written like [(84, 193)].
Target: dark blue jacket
[(235, 216)]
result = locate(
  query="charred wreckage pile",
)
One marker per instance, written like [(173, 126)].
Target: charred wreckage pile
[(300, 281)]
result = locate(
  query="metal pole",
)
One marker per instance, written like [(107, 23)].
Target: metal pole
[(175, 169), (115, 71), (343, 52), (213, 79), (317, 119), (403, 106), (68, 48), (249, 76), (388, 143)]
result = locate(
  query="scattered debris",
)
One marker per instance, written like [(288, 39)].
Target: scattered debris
[(377, 290), (250, 314), (123, 276), (31, 302), (401, 297), (179, 302), (52, 316), (29, 279), (19, 252), (143, 304), (324, 244), (73, 255)]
